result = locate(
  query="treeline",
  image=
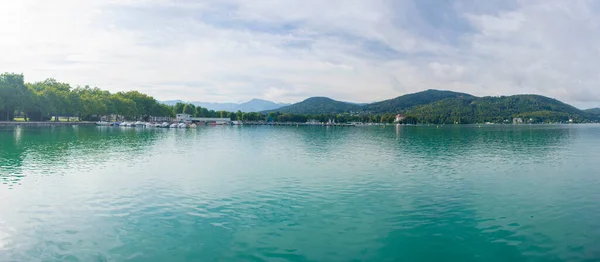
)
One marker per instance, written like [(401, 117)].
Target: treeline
[(40, 101), (530, 108), (197, 111), (338, 118), (50, 99)]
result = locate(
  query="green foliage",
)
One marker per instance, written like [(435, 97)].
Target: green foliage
[(439, 107), (47, 99), (592, 111), (532, 108), (189, 109), (13, 94), (402, 103)]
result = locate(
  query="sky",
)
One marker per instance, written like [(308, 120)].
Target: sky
[(287, 51)]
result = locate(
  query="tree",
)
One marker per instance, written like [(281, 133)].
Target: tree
[(179, 108), (239, 115), (189, 109), (124, 106), (144, 103), (12, 95)]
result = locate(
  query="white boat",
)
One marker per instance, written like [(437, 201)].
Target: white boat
[(125, 124), (182, 125), (140, 124), (164, 125), (157, 125), (173, 126), (149, 125), (103, 123)]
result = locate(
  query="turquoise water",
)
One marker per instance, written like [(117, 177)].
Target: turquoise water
[(454, 193)]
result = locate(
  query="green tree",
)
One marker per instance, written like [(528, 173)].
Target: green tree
[(12, 95), (189, 109)]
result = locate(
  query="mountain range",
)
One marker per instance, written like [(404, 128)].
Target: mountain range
[(325, 105), (433, 106), (254, 105), (439, 106)]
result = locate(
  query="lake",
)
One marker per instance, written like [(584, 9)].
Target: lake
[(261, 193)]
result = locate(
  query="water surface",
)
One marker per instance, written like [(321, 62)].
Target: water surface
[(454, 193)]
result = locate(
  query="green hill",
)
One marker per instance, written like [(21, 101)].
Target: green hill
[(318, 105), (402, 103), (466, 110), (437, 106), (593, 111)]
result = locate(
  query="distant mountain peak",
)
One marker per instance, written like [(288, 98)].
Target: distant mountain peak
[(318, 105), (254, 105), (257, 100)]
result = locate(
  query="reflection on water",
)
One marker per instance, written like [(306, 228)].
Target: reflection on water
[(58, 150), (405, 193)]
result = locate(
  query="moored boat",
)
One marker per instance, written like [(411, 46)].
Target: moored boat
[(103, 123)]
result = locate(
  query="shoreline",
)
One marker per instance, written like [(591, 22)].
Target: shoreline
[(25, 123), (84, 123)]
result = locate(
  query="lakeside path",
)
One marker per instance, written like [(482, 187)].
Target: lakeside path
[(48, 123)]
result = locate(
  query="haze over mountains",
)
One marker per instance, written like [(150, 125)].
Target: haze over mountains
[(254, 105), (430, 105)]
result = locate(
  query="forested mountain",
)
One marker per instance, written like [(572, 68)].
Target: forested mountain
[(436, 106), (465, 110), (402, 103), (593, 111), (319, 105), (323, 105)]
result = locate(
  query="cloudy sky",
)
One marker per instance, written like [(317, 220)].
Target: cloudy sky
[(288, 50)]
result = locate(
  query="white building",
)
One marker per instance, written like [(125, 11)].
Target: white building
[(517, 120), (399, 118)]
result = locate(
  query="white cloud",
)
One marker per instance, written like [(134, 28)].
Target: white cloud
[(285, 51)]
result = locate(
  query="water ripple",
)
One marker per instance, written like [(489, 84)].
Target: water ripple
[(301, 194)]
